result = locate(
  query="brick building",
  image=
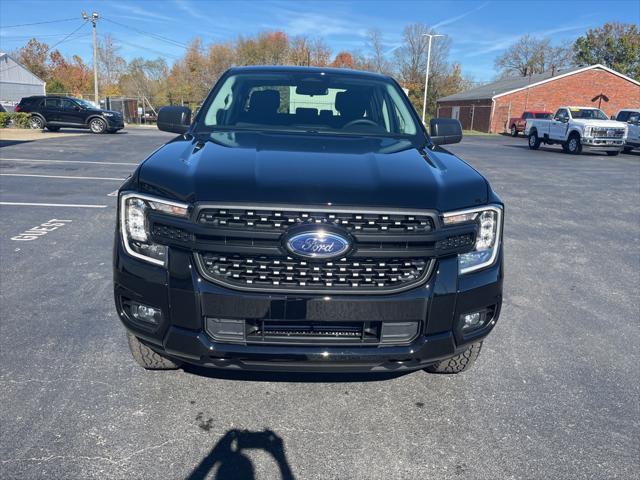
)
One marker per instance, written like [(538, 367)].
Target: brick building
[(488, 108)]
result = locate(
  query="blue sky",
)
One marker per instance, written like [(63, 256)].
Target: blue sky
[(479, 30)]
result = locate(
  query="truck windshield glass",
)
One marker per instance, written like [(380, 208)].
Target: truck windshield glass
[(588, 113), (309, 102)]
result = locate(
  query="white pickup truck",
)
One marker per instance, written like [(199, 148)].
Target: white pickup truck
[(630, 116), (578, 127)]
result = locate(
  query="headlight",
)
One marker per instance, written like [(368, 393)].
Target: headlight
[(106, 114), (135, 229), (587, 131), (485, 251)]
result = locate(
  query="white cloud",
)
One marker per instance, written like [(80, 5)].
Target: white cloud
[(132, 10), (451, 20), (502, 43), (188, 8)]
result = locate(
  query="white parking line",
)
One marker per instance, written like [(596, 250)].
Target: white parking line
[(60, 176), (30, 160), (74, 205)]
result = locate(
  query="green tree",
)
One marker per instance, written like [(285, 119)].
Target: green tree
[(56, 86), (615, 45)]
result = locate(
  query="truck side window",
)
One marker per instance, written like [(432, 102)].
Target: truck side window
[(623, 116), (527, 115), (561, 115), (634, 118)]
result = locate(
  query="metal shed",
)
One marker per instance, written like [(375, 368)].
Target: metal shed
[(16, 81)]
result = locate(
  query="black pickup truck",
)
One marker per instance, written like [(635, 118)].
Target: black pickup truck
[(306, 221)]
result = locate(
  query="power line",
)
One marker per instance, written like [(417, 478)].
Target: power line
[(51, 47), (153, 35), (157, 52), (24, 37), (38, 23), (58, 43)]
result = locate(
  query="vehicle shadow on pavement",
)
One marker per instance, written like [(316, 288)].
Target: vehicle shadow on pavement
[(295, 377), (8, 143), (228, 456), (557, 150)]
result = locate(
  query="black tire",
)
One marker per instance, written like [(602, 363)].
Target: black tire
[(97, 125), (53, 129), (514, 131), (534, 140), (36, 122), (627, 149), (459, 363), (148, 358), (574, 147), (112, 130), (613, 153)]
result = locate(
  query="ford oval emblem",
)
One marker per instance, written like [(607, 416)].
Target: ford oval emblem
[(318, 244)]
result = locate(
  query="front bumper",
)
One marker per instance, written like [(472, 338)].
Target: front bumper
[(186, 299), (606, 143), (115, 122)]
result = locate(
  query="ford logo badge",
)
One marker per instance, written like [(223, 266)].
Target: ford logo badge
[(318, 244)]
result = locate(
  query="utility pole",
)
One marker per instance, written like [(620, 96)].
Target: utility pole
[(426, 76), (94, 19)]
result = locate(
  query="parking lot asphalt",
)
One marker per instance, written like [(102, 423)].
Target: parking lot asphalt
[(554, 394)]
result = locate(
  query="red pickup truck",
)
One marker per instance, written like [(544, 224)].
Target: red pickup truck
[(517, 124)]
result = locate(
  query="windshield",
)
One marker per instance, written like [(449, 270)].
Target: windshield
[(84, 103), (588, 113), (319, 102)]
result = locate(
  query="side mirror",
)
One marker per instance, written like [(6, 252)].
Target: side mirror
[(444, 131), (174, 119)]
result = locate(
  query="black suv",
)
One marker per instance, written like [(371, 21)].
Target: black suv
[(306, 221), (55, 112)]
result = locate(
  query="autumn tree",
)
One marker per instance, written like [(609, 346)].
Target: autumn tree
[(343, 60), (73, 75), (308, 51), (220, 57), (35, 56), (195, 65), (268, 48), (615, 45)]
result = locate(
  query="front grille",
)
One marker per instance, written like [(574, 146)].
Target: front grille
[(246, 248), (288, 273), (602, 132), (280, 220)]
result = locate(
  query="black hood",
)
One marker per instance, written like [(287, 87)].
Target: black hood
[(266, 168)]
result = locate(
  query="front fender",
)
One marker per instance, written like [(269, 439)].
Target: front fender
[(578, 130)]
